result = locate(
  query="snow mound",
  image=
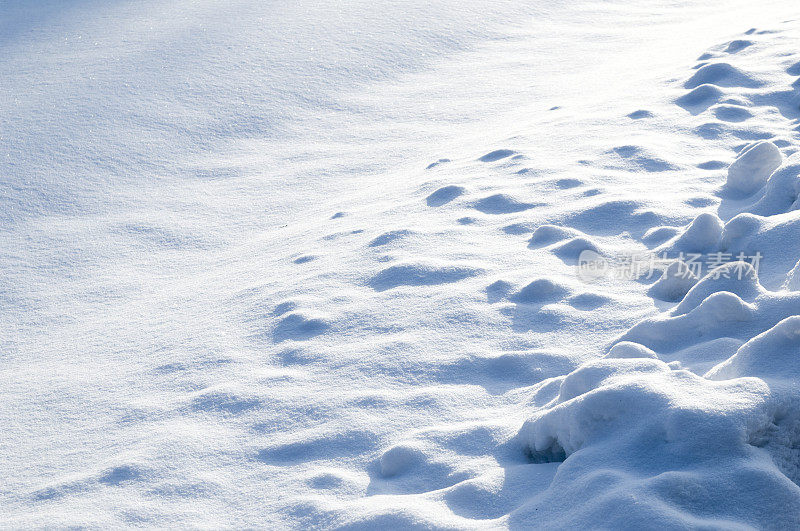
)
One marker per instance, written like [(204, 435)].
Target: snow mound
[(737, 278), (773, 356), (641, 440), (571, 250), (702, 235), (700, 98), (723, 75), (793, 278), (550, 234), (501, 204), (539, 291), (676, 280), (751, 169), (628, 349), (781, 191)]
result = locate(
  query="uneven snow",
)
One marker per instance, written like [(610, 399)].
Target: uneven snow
[(322, 265)]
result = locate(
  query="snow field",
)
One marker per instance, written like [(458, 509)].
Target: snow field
[(355, 303)]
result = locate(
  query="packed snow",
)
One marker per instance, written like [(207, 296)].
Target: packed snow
[(377, 265)]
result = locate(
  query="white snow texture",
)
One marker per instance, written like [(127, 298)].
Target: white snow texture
[(321, 264)]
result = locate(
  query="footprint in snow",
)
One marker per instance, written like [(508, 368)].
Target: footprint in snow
[(638, 115), (331, 445), (732, 113), (389, 237), (502, 204), (712, 165), (587, 301), (738, 45), (216, 401), (540, 291), (568, 183), (700, 98), (298, 326), (437, 163), (444, 195), (419, 275), (497, 155), (518, 228)]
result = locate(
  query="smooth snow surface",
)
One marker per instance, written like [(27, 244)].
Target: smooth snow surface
[(323, 264)]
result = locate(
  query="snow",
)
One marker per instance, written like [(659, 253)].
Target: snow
[(674, 283), (770, 356), (363, 265), (700, 236), (751, 169)]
